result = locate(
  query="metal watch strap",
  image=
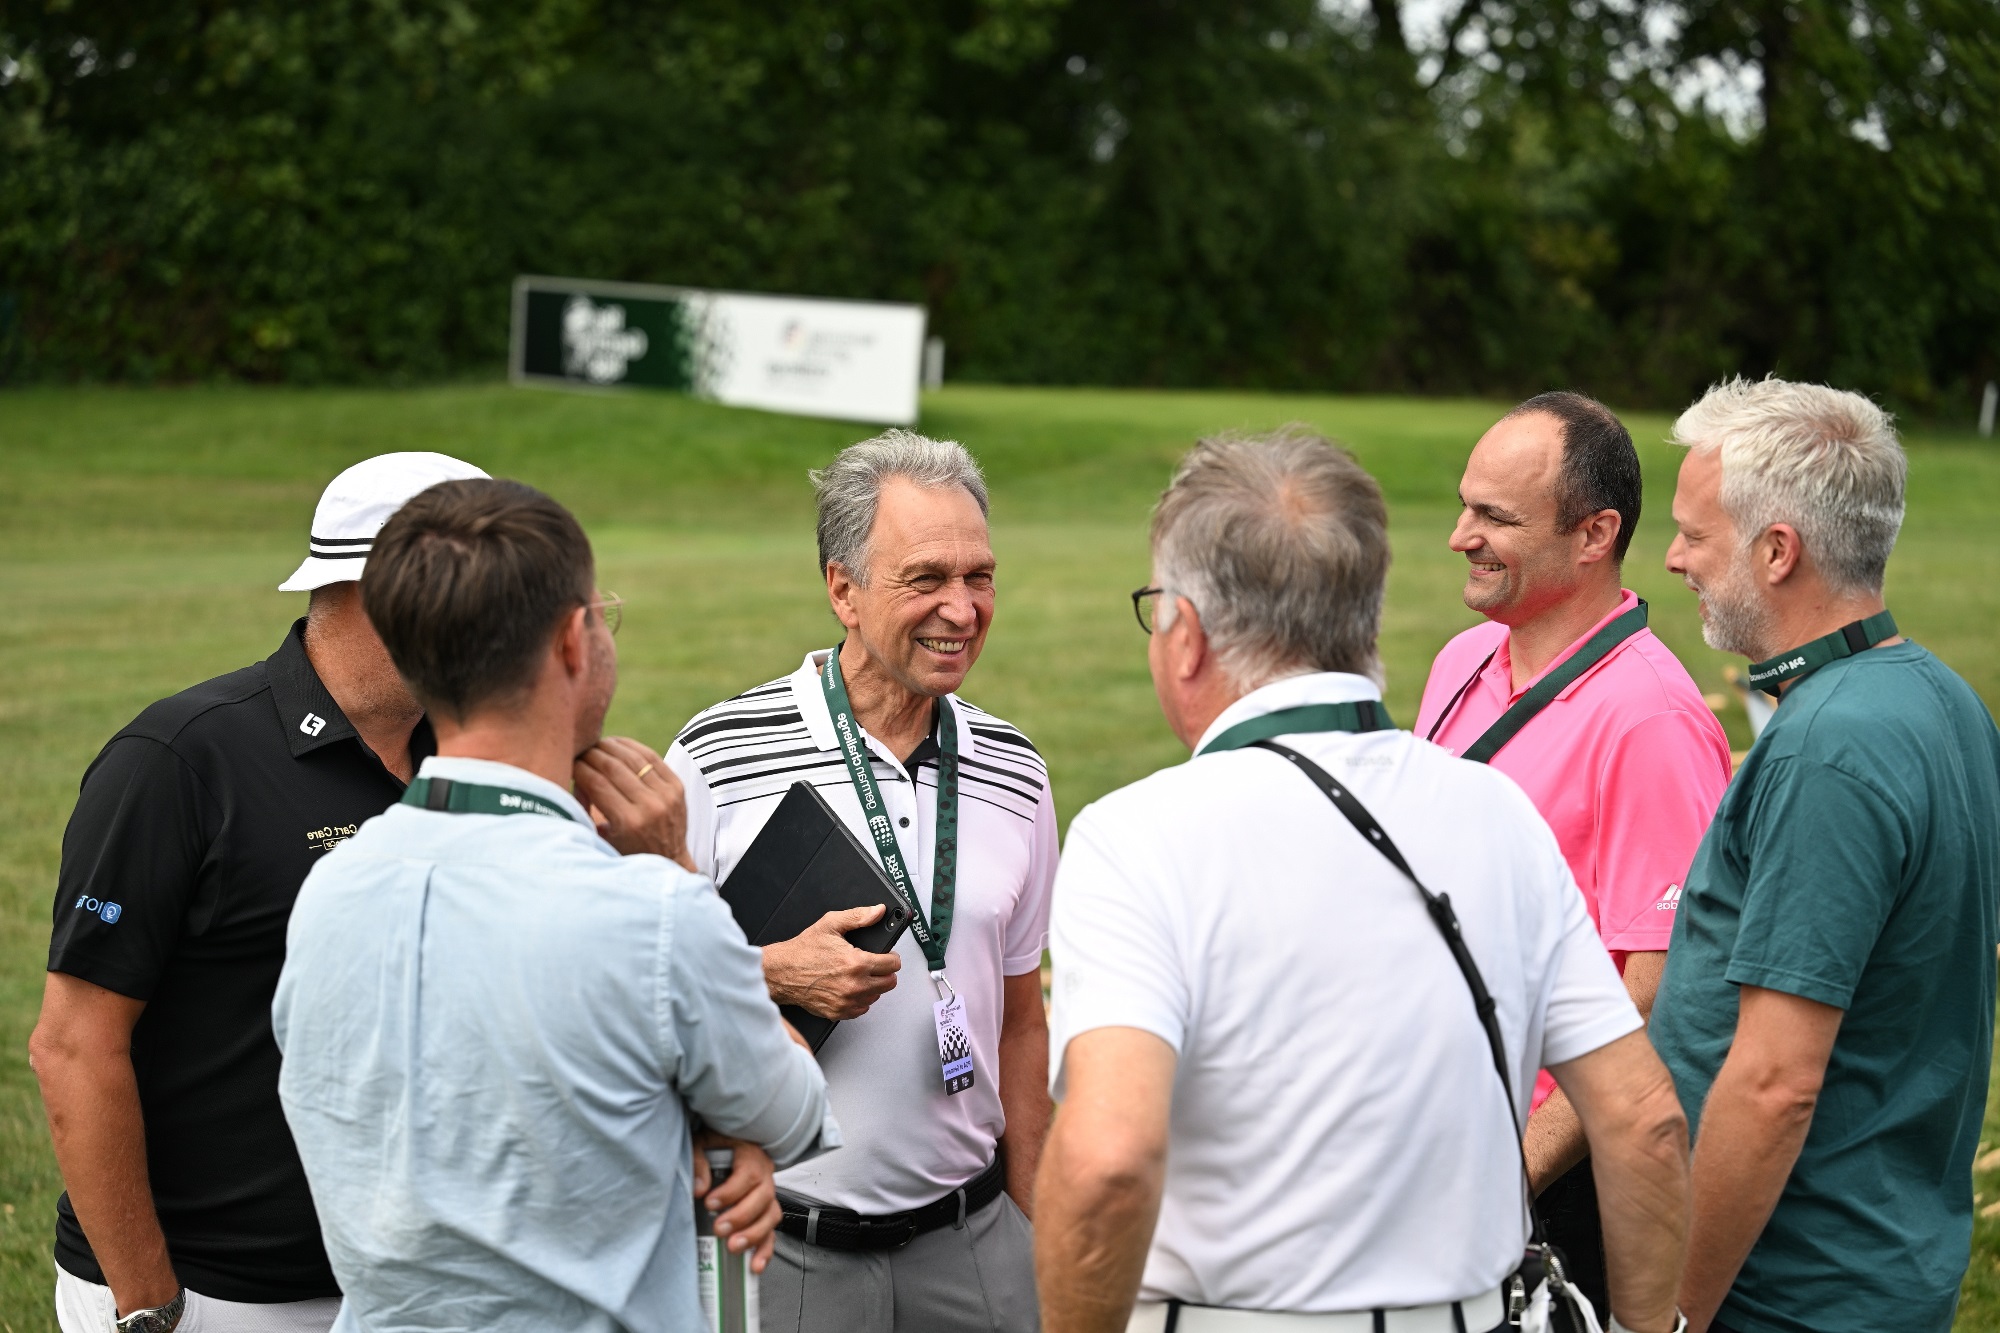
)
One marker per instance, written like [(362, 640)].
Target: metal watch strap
[(159, 1319)]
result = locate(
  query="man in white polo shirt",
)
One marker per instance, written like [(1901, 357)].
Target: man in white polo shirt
[(907, 1226), (1278, 1095)]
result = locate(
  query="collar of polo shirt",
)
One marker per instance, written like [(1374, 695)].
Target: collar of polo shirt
[(1314, 687), (811, 702)]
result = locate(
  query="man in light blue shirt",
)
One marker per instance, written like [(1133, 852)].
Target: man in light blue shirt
[(501, 1005)]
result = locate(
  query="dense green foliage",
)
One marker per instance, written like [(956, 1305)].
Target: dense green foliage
[(1511, 194)]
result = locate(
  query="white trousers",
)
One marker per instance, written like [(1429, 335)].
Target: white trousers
[(87, 1307)]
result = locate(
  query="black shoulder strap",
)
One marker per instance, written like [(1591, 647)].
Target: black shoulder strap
[(1446, 920)]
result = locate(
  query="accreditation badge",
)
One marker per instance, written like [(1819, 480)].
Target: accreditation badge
[(954, 1046)]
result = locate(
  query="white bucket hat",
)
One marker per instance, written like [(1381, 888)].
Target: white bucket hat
[(356, 505)]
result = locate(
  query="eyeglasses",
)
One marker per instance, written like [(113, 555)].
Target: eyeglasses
[(612, 607), (1145, 602)]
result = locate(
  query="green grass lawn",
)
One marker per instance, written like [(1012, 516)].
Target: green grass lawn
[(143, 533)]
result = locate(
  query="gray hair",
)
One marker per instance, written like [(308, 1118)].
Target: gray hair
[(1281, 543), (1823, 460), (850, 487)]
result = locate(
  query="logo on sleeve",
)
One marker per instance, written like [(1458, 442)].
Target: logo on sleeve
[(1669, 900), (313, 725), (108, 913)]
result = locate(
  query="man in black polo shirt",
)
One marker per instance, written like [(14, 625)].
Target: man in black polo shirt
[(193, 831)]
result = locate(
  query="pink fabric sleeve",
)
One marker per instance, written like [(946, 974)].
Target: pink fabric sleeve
[(1658, 790)]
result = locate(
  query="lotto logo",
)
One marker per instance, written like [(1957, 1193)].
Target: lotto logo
[(313, 725), (108, 913)]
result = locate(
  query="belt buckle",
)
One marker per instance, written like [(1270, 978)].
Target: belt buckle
[(874, 1235)]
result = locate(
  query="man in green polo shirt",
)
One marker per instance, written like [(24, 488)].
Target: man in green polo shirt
[(1828, 1011)]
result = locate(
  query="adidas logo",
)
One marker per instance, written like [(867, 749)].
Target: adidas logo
[(1669, 900)]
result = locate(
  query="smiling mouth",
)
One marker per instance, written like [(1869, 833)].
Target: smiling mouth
[(943, 647), (1487, 567)]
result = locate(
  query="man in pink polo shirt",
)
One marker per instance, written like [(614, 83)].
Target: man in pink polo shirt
[(1567, 692)]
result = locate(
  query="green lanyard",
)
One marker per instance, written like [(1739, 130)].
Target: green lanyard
[(1772, 676), (1543, 692), (470, 798), (934, 933), (1361, 715)]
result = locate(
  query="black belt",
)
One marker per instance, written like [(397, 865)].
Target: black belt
[(842, 1229)]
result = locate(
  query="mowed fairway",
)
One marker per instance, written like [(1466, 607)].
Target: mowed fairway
[(143, 533)]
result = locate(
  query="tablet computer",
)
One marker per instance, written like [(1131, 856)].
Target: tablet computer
[(803, 864)]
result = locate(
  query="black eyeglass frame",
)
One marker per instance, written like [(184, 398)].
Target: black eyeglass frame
[(1139, 596)]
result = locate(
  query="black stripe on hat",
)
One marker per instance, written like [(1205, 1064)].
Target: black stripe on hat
[(317, 548)]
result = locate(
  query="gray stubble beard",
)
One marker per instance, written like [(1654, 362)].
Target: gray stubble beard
[(1737, 621)]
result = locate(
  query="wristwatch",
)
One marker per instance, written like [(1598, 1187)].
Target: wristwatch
[(1680, 1324), (159, 1319)]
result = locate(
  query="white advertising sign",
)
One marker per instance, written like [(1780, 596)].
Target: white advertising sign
[(849, 360)]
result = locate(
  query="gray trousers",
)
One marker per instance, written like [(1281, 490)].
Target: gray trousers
[(975, 1280)]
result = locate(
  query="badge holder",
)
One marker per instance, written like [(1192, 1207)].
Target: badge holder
[(954, 1047)]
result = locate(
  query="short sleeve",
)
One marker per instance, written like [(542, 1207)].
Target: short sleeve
[(132, 857), (700, 808), (1657, 792), (1587, 1004), (1028, 928), (729, 1055), (1111, 942), (1826, 857)]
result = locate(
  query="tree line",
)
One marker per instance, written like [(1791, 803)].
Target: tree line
[(1494, 196)]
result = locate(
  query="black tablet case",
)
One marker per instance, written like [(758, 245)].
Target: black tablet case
[(802, 865)]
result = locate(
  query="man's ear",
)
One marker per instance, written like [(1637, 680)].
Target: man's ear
[(1778, 553), (840, 589), (1600, 536), (572, 642), (1188, 641)]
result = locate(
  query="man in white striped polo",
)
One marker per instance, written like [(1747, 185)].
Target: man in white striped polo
[(921, 1221)]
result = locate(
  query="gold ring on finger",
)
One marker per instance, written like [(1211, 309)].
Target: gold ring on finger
[(644, 771)]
